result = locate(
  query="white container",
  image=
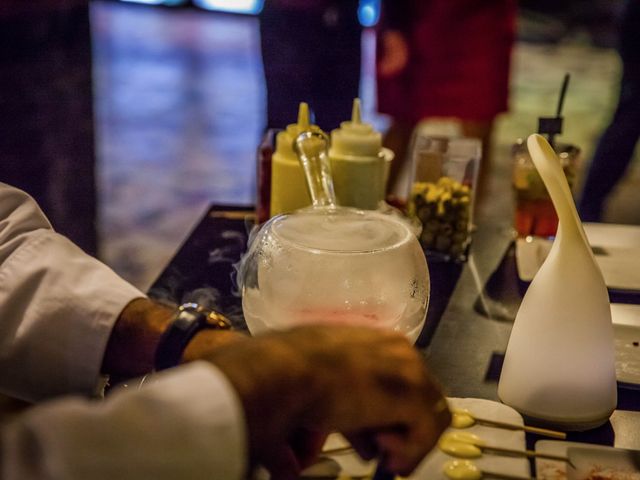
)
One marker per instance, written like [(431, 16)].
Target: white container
[(559, 367)]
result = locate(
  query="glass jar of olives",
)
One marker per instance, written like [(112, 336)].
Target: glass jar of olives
[(442, 193)]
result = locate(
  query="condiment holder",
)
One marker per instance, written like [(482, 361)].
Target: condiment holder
[(359, 163), (442, 193)]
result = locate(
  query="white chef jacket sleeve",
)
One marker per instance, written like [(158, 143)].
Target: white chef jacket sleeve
[(187, 424), (57, 306)]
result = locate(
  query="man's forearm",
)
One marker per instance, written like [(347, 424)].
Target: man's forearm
[(133, 342), (134, 339)]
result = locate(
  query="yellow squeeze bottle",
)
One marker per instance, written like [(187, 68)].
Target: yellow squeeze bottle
[(359, 164), (288, 185)]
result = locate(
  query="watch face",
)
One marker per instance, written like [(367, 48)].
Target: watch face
[(186, 318)]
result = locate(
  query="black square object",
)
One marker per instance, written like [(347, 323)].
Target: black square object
[(550, 125), (495, 367)]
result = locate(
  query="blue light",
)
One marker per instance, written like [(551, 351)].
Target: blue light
[(369, 12), (147, 2), (251, 7), (167, 3)]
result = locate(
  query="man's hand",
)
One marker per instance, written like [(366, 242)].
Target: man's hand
[(207, 341), (371, 385)]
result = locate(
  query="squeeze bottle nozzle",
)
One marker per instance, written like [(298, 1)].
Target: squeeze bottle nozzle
[(288, 184), (354, 137), (285, 139), (359, 164)]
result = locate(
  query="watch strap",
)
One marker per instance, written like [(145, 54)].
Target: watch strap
[(190, 319)]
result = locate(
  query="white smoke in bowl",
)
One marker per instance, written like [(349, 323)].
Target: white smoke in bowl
[(240, 276)]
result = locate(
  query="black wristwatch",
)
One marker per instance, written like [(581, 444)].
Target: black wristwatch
[(189, 320)]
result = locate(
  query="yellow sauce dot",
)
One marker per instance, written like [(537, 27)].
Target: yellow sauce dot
[(461, 419), (457, 448), (465, 437), (462, 470)]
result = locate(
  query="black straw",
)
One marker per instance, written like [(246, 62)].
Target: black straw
[(552, 126), (563, 92)]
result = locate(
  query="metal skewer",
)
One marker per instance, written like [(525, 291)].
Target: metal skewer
[(453, 468), (525, 453), (459, 417), (468, 445), (527, 428)]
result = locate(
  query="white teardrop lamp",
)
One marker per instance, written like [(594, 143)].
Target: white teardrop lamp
[(559, 367)]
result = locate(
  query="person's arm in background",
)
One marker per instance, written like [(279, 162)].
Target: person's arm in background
[(394, 28)]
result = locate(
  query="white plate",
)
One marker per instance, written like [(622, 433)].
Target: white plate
[(431, 467), (609, 463), (626, 332), (616, 248), (589, 462)]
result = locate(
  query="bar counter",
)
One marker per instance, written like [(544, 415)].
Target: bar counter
[(464, 348)]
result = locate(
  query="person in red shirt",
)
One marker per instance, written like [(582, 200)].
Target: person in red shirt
[(443, 58)]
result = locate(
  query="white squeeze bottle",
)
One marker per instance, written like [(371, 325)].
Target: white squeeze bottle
[(359, 163), (288, 185)]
